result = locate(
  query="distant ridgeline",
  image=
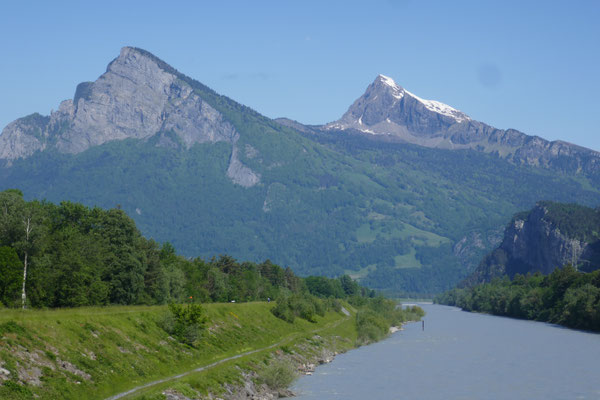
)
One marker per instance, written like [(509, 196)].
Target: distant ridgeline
[(80, 256), (552, 255)]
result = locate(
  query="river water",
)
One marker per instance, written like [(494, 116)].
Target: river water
[(461, 355)]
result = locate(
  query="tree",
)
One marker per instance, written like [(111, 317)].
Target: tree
[(10, 273), (581, 307), (20, 228), (350, 287), (125, 262), (26, 249), (185, 322)]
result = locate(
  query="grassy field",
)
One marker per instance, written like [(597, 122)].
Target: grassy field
[(94, 353), (367, 233)]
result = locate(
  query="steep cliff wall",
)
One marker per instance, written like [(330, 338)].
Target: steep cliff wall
[(549, 236)]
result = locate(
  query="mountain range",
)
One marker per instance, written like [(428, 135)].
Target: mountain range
[(403, 193)]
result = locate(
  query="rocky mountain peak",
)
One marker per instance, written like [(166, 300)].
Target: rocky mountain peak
[(388, 110), (139, 64), (139, 96), (385, 83)]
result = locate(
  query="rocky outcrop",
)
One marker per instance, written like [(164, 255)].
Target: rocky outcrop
[(540, 241), (23, 137), (471, 247), (138, 97), (538, 244), (387, 110), (239, 173)]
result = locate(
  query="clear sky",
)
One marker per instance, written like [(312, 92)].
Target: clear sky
[(528, 65)]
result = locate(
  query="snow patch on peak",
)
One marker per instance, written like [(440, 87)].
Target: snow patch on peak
[(387, 80), (397, 91), (441, 108)]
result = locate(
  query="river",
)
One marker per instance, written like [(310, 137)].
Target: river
[(461, 355)]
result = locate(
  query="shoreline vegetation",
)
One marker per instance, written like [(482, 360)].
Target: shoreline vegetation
[(99, 352), (107, 310), (566, 297)]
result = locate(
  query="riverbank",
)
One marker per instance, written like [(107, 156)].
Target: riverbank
[(265, 373), (262, 377), (95, 353), (123, 352)]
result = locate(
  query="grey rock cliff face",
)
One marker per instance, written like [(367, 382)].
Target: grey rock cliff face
[(21, 138), (539, 244), (239, 173), (388, 110), (135, 98), (531, 243)]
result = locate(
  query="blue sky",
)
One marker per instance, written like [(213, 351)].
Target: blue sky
[(528, 65)]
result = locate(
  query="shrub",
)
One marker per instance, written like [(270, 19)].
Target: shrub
[(279, 374), (333, 305), (302, 307), (320, 308), (370, 326), (184, 322), (413, 313), (283, 311), (297, 305)]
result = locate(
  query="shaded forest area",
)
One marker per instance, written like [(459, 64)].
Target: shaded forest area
[(79, 256)]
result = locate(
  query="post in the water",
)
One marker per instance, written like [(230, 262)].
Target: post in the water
[(423, 324)]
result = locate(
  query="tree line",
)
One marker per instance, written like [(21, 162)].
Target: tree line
[(566, 296), (70, 255)]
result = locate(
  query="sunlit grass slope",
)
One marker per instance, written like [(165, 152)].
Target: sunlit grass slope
[(97, 352)]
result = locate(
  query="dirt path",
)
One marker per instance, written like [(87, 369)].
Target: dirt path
[(158, 381)]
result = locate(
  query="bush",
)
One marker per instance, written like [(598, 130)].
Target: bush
[(319, 306), (413, 313), (358, 301), (370, 326), (297, 305), (184, 322), (279, 374), (282, 310), (333, 305), (303, 307)]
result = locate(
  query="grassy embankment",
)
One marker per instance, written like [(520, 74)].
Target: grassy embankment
[(97, 352)]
